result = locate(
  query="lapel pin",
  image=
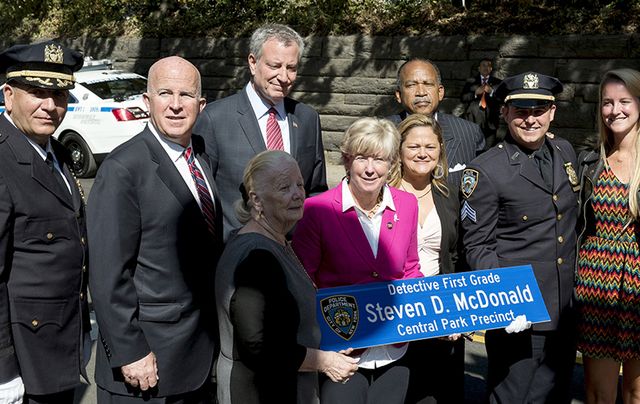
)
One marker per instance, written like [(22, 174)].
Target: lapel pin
[(389, 225)]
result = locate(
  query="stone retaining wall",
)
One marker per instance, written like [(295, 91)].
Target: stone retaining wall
[(348, 77)]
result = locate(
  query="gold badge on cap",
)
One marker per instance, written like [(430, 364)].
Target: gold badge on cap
[(530, 81), (53, 54), (573, 178)]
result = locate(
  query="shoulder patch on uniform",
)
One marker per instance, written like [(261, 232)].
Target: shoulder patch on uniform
[(467, 212), (468, 182)]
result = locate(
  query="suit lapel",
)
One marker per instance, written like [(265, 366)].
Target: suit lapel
[(167, 171), (528, 169), (560, 174), (294, 127), (388, 230), (249, 124), (25, 154), (62, 156)]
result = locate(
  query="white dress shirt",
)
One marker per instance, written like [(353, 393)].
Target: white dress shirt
[(378, 356), (261, 110), (176, 154)]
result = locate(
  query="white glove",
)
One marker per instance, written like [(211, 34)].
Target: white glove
[(518, 325), (12, 392)]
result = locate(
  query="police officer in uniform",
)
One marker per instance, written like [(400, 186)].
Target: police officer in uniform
[(519, 207), (44, 320)]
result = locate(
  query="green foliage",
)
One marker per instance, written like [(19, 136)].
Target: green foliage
[(33, 19)]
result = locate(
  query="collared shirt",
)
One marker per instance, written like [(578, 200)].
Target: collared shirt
[(370, 226), (379, 356), (176, 154), (43, 153), (261, 109)]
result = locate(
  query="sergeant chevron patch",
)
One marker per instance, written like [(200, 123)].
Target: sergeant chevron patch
[(467, 212)]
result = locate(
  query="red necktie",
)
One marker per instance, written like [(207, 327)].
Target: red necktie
[(206, 202), (274, 135), (483, 101)]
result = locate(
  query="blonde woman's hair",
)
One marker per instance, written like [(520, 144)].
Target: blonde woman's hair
[(416, 121), (631, 80), (258, 173), (370, 137)]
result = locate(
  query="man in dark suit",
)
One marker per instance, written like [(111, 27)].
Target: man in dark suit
[(262, 117), (155, 229), (44, 321), (482, 106), (520, 207), (420, 91)]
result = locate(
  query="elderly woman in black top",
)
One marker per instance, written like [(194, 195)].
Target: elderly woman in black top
[(266, 301)]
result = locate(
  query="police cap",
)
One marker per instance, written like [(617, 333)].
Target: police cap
[(528, 90), (44, 64)]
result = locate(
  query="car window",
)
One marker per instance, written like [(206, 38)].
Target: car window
[(118, 89)]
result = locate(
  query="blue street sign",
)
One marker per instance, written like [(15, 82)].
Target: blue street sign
[(382, 313)]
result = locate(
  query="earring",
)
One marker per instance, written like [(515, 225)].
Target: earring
[(438, 172)]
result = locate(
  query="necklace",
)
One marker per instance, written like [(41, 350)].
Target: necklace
[(417, 196), (277, 237)]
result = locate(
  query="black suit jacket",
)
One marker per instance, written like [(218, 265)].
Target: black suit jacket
[(488, 118), (463, 141), (448, 209), (154, 262), (232, 136), (43, 308)]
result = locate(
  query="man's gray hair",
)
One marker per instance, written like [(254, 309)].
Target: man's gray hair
[(281, 33), (418, 59)]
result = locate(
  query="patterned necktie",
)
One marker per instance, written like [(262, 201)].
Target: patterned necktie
[(206, 202), (274, 135)]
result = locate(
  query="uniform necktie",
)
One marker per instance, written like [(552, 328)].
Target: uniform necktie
[(206, 203), (50, 162), (544, 162), (274, 135)]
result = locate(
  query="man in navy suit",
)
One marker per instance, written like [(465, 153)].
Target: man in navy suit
[(482, 106), (236, 128), (420, 91), (155, 232)]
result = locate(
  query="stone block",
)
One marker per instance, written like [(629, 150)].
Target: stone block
[(356, 46), (313, 47), (335, 67), (575, 115), (513, 66), (435, 48), (355, 85), (336, 123), (519, 46), (588, 92), (585, 46), (194, 48), (483, 43), (591, 70)]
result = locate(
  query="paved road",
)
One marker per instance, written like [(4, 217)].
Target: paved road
[(475, 357)]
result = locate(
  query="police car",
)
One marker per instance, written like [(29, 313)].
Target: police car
[(105, 109)]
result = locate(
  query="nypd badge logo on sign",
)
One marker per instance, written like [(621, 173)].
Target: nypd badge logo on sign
[(341, 314)]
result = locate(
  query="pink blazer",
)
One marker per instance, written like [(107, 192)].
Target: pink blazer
[(334, 249)]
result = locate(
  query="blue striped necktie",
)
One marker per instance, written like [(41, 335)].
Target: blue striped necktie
[(206, 203)]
